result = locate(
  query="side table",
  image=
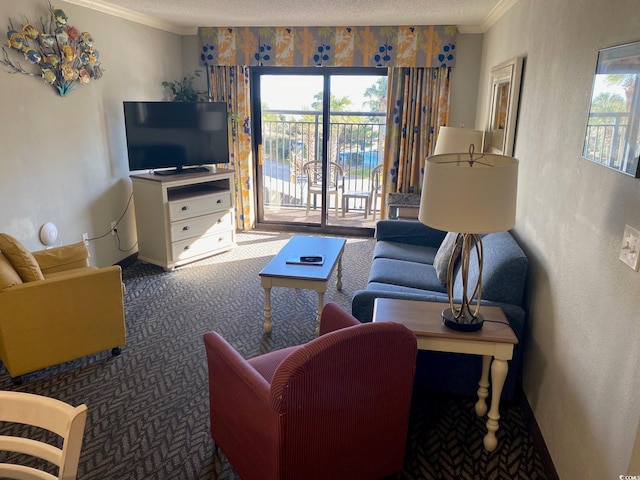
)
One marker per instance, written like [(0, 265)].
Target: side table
[(495, 342), (403, 205), (366, 196)]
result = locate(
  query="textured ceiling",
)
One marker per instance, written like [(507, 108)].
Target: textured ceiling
[(184, 16)]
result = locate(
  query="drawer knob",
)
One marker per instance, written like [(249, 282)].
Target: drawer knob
[(187, 247), (186, 228), (219, 200), (185, 208)]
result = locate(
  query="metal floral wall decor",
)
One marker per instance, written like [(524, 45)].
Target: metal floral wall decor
[(63, 55)]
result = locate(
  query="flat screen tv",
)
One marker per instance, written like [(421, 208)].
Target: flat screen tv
[(176, 137)]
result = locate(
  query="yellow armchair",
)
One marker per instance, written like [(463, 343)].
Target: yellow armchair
[(74, 311)]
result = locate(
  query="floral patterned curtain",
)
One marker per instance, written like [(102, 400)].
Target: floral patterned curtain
[(418, 104), (403, 46), (231, 85)]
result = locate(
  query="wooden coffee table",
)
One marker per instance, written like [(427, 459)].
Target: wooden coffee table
[(278, 273), (495, 342)]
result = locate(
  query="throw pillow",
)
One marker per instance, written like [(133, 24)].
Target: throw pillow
[(441, 260), (20, 258), (8, 275)]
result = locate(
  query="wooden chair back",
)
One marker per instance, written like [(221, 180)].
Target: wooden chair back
[(45, 413)]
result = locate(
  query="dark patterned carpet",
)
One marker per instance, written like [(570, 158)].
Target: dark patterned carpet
[(148, 408)]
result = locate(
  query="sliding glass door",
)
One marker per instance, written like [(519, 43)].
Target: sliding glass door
[(320, 134), (292, 133)]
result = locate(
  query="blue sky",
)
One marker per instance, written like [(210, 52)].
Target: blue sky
[(294, 92)]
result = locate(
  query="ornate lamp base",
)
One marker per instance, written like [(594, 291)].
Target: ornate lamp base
[(464, 323)]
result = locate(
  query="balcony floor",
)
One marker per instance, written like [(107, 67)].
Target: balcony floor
[(297, 215)]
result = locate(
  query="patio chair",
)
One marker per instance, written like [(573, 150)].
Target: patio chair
[(376, 188), (335, 185)]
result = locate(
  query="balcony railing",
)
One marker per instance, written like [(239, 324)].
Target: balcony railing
[(607, 141), (293, 137)]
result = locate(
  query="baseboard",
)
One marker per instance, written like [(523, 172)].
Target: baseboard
[(537, 438)]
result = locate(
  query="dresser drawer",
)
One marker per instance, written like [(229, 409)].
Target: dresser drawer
[(202, 225), (193, 247), (201, 205)]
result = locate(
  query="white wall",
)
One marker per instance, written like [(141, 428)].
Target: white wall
[(583, 357), (64, 159), (464, 80), (191, 61)]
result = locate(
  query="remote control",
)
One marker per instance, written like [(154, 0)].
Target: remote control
[(311, 259)]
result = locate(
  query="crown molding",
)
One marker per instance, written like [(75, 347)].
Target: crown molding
[(127, 14), (498, 11), (494, 15), (470, 29)]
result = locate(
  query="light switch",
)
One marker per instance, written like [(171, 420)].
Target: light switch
[(629, 253)]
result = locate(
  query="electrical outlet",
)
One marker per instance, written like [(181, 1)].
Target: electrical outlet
[(629, 253), (113, 228), (85, 238)]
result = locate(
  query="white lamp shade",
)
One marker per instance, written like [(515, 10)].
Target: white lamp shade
[(457, 140), (469, 197)]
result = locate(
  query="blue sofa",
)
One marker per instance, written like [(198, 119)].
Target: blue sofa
[(402, 267)]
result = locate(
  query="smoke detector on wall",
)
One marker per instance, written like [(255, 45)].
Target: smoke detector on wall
[(48, 234)]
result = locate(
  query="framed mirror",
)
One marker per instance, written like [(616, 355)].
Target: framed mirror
[(500, 130), (612, 137)]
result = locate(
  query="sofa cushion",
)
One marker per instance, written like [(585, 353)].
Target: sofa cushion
[(404, 251), (406, 292), (443, 255), (402, 272), (8, 275), (410, 232), (21, 259), (503, 271)]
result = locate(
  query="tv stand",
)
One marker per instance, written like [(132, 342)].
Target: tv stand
[(183, 217), (181, 171)]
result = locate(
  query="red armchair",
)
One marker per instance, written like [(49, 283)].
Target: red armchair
[(336, 407)]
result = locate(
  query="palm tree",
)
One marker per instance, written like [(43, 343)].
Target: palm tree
[(626, 81), (337, 104), (377, 95), (607, 102)]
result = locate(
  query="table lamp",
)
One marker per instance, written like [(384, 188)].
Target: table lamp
[(456, 140), (471, 194)]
